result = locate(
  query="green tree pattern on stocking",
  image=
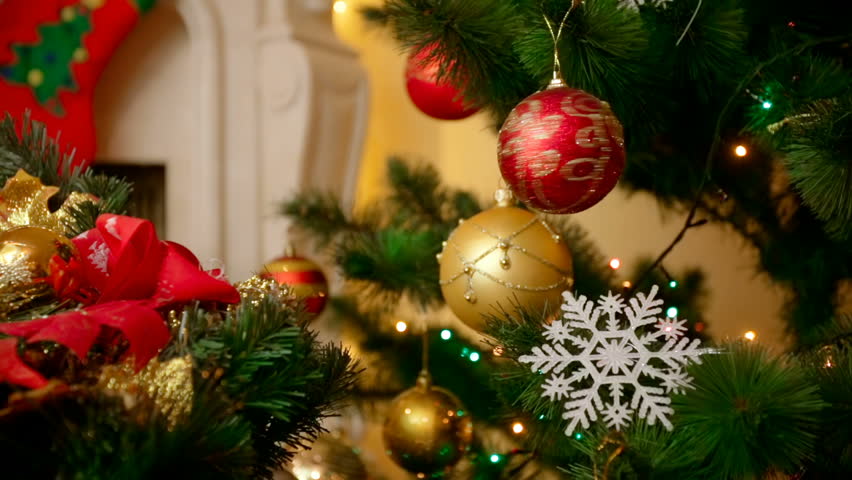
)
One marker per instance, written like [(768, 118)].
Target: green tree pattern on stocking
[(46, 66)]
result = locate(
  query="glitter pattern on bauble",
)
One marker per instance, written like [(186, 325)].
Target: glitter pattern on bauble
[(561, 150)]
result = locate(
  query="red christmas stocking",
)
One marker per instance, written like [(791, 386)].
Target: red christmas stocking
[(52, 53)]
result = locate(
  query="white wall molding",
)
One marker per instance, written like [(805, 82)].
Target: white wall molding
[(206, 231), (257, 99)]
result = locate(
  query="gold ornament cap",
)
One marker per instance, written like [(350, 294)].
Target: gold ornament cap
[(504, 197), (556, 82)]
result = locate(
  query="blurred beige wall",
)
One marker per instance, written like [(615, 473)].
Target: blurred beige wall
[(622, 225)]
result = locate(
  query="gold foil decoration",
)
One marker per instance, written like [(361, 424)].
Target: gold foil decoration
[(23, 202), (256, 289), (168, 385)]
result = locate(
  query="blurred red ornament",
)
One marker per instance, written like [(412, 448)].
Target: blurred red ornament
[(303, 277), (561, 150), (438, 99)]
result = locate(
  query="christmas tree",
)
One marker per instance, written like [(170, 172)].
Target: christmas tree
[(122, 357), (733, 112)]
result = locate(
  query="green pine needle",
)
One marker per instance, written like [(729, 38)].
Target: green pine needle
[(284, 381), (35, 152), (749, 412), (391, 262), (831, 367), (819, 161)]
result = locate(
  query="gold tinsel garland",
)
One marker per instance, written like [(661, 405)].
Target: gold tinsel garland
[(168, 385)]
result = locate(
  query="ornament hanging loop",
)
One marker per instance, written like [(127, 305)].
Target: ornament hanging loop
[(557, 81), (424, 380)]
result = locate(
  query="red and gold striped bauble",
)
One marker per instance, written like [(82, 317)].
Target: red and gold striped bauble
[(303, 277)]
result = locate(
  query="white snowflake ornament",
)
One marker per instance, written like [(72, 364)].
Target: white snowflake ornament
[(605, 360)]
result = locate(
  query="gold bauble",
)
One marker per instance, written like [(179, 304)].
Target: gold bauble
[(329, 458), (499, 257), (25, 253), (427, 429)]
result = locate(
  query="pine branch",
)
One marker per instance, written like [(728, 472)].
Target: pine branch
[(420, 200), (603, 51), (832, 370), (517, 331), (642, 451), (321, 215), (86, 434), (38, 154), (284, 381), (690, 221), (819, 161), (392, 262), (749, 412), (34, 152)]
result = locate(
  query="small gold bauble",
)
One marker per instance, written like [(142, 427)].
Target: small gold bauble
[(501, 256), (28, 250), (329, 458), (427, 429)]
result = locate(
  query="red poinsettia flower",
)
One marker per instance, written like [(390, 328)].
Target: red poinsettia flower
[(128, 274)]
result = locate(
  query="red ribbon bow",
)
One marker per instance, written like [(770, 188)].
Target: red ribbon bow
[(132, 274)]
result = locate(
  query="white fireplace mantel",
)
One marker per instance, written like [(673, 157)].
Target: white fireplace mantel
[(245, 103)]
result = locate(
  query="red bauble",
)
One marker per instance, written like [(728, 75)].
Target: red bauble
[(304, 277), (440, 100), (561, 150)]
